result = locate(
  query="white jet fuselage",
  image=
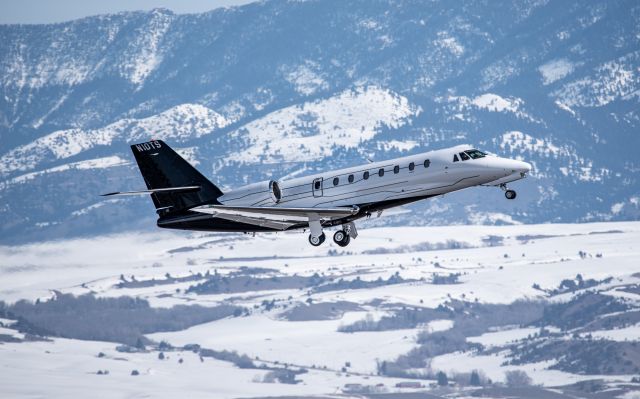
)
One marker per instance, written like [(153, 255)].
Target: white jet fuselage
[(416, 176)]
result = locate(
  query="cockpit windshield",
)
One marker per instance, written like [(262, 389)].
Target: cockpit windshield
[(475, 154)]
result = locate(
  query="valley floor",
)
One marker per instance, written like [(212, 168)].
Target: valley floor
[(330, 317)]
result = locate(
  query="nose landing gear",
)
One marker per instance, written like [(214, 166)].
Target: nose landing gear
[(509, 194)]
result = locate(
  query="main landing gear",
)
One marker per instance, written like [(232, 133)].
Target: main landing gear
[(316, 240), (341, 237), (509, 194)]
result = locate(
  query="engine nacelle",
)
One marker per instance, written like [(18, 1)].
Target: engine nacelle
[(264, 193)]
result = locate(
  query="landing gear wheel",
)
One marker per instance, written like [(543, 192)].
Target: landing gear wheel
[(344, 242), (341, 238), (316, 241), (510, 194)]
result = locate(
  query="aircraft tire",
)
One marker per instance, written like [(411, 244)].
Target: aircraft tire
[(317, 241), (344, 242), (339, 236), (510, 194)]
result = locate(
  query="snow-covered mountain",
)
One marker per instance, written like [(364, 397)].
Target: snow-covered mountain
[(276, 88)]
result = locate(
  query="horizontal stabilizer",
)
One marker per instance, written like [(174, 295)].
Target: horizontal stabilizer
[(154, 190)]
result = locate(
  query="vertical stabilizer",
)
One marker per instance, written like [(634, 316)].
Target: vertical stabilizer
[(161, 167)]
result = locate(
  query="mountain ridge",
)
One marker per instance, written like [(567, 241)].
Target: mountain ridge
[(242, 88)]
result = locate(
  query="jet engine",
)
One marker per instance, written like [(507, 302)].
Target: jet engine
[(265, 193)]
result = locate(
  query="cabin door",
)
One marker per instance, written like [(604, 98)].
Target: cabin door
[(317, 187)]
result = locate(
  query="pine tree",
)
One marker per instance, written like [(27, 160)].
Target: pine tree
[(442, 379), (475, 378)]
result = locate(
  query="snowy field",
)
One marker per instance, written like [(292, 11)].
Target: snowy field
[(497, 264)]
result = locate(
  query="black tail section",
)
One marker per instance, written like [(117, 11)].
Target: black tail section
[(161, 167)]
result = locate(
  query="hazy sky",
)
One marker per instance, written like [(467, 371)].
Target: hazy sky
[(45, 11)]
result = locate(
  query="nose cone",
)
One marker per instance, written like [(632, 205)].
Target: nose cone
[(512, 166), (524, 167)]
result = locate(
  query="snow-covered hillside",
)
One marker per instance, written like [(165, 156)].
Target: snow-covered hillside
[(300, 302), (267, 90)]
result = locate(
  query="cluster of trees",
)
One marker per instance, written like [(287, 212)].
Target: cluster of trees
[(236, 283), (578, 283), (123, 319), (241, 361), (421, 247), (133, 283), (451, 278), (283, 375), (469, 319), (517, 378), (474, 378), (400, 319), (582, 356), (217, 284), (581, 310), (358, 283)]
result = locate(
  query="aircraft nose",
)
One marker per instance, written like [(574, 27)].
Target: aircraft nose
[(524, 167), (513, 166)]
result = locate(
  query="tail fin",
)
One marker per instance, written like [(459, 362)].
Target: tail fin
[(162, 168)]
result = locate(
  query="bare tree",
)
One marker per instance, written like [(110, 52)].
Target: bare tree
[(517, 378)]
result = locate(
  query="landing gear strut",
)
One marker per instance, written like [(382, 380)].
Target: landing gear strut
[(317, 236), (509, 194)]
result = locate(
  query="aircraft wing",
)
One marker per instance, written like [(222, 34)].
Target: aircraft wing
[(275, 217)]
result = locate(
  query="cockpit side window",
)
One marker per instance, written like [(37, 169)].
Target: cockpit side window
[(475, 154), (464, 156), (455, 157)]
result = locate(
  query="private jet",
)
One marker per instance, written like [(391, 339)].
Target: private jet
[(185, 199)]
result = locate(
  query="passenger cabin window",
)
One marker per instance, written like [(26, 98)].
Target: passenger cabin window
[(350, 178), (365, 175), (475, 154), (412, 166), (455, 157), (464, 156), (396, 169), (381, 172), (336, 181), (427, 163), (317, 184)]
